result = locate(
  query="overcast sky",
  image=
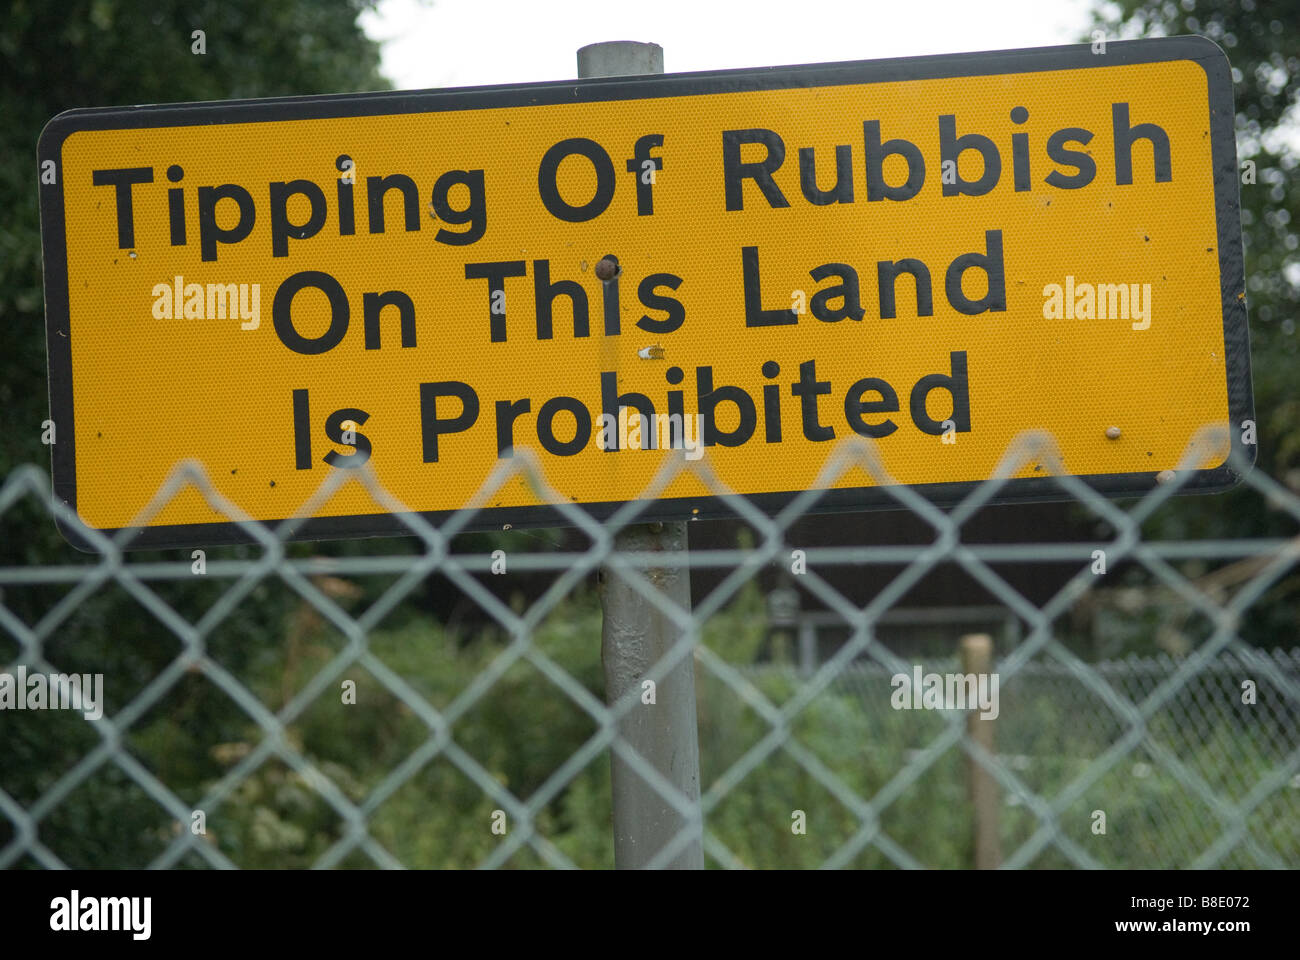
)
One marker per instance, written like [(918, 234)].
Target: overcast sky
[(455, 43)]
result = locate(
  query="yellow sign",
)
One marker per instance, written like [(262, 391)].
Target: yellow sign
[(938, 254)]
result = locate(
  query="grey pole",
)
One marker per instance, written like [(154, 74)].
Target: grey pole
[(619, 58), (635, 634)]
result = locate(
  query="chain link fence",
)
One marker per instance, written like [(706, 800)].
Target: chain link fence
[(264, 705)]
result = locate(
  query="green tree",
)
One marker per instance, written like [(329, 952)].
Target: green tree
[(86, 53)]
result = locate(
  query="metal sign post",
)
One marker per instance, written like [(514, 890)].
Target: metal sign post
[(636, 634)]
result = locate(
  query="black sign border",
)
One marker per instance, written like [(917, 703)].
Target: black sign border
[(1197, 49)]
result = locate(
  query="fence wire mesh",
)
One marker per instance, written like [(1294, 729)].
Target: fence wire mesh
[(306, 717)]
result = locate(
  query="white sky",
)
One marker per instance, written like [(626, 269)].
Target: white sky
[(456, 43)]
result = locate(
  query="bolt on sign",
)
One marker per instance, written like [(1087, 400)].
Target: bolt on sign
[(937, 253)]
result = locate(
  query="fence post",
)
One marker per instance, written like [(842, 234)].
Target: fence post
[(977, 658), (635, 633)]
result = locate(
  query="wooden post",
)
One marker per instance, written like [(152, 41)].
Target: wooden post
[(977, 658)]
